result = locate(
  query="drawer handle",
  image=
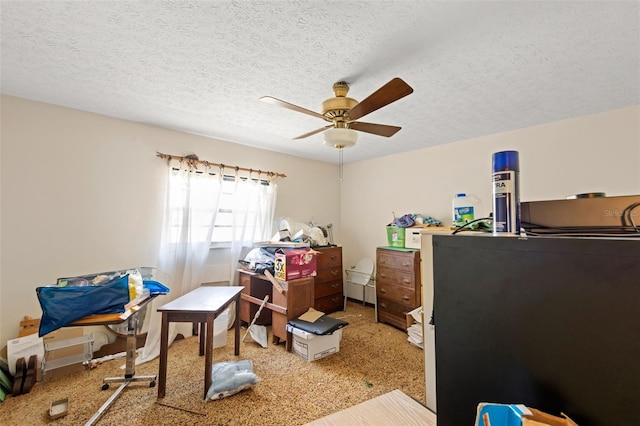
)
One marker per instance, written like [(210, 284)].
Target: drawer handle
[(383, 275), (334, 273), (383, 305), (336, 299), (334, 257), (406, 281), (406, 263), (405, 297), (334, 286), (383, 290)]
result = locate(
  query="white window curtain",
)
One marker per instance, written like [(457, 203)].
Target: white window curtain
[(192, 203), (253, 212)]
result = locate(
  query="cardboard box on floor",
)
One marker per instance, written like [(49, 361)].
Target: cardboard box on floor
[(517, 415), (312, 347)]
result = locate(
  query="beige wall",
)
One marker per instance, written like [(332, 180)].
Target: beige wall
[(83, 193), (599, 152)]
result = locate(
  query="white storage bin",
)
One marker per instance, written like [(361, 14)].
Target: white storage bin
[(312, 347), (412, 237)]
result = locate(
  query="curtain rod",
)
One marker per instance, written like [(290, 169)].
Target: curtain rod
[(192, 159)]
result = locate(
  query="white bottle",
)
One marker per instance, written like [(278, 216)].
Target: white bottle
[(464, 209)]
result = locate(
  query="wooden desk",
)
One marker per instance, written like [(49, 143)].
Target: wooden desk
[(297, 298), (393, 408), (201, 305)]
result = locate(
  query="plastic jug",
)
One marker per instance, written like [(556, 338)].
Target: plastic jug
[(465, 209)]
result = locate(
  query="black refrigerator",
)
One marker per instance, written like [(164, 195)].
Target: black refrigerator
[(549, 322)]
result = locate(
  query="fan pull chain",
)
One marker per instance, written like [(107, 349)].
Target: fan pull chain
[(341, 162)]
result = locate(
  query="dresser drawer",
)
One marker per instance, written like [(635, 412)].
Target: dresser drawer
[(329, 257), (402, 261), (329, 274), (404, 295), (328, 304), (392, 313), (396, 278), (327, 288)]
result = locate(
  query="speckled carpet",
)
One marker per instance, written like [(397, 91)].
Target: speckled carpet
[(373, 359)]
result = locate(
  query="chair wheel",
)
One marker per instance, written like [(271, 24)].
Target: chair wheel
[(152, 384), (105, 386)]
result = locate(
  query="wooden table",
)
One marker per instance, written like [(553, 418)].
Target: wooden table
[(201, 305), (393, 408)]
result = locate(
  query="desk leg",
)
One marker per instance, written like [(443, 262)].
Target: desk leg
[(164, 346), (208, 354), (237, 327)]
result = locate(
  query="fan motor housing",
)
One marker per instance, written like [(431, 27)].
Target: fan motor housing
[(337, 107)]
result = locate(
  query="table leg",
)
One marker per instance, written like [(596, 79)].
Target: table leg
[(202, 334), (237, 327), (208, 351), (164, 346)]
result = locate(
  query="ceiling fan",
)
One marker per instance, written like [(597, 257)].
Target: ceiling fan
[(343, 112)]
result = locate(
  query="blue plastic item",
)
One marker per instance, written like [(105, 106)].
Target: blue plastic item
[(155, 287), (64, 305), (500, 414)]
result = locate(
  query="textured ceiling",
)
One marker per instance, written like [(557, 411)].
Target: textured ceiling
[(477, 68)]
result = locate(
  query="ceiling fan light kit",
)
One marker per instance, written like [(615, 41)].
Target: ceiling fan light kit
[(340, 138)]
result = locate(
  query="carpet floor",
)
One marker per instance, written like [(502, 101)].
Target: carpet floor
[(373, 359)]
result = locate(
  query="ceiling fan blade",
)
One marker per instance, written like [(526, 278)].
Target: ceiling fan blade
[(376, 129), (390, 92), (313, 132), (283, 104)]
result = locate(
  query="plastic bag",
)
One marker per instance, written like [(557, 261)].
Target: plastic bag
[(231, 377), (135, 284), (405, 221)]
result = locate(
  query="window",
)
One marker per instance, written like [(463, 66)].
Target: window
[(240, 209)]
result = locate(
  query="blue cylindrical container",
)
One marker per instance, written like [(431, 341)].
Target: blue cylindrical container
[(506, 193)]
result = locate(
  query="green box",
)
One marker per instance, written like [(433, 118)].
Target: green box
[(395, 236)]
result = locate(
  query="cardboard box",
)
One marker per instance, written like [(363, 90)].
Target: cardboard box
[(24, 347), (412, 237), (312, 347), (292, 264), (516, 415)]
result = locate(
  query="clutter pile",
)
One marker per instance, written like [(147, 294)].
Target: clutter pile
[(404, 231), (73, 298), (305, 233)]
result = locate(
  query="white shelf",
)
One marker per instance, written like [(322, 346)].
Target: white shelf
[(82, 357), (67, 360), (65, 343)]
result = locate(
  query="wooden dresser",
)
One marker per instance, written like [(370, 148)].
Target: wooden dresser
[(328, 281), (281, 307), (398, 286)]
